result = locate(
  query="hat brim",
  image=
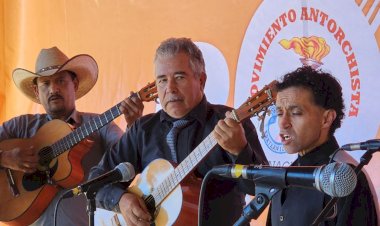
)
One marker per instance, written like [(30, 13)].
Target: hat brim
[(83, 65)]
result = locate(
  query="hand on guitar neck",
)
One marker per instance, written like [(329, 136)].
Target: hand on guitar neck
[(230, 135), (132, 107), (20, 159)]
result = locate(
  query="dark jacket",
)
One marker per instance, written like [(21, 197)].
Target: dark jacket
[(299, 206)]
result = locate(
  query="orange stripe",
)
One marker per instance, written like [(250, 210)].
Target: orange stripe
[(367, 7), (377, 35), (373, 16)]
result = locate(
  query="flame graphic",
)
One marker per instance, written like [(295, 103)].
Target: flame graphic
[(312, 49)]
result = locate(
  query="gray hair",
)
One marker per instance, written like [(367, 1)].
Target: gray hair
[(173, 46)]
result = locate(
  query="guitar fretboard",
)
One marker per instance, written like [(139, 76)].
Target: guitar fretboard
[(80, 133), (183, 169)]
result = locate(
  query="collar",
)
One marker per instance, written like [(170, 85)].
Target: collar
[(73, 119), (198, 113), (318, 155)]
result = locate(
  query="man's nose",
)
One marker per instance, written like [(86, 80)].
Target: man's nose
[(171, 86), (54, 88), (284, 121)]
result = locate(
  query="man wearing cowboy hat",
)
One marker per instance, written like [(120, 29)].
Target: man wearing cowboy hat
[(56, 84)]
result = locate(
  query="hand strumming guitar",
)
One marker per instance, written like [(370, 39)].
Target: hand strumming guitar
[(25, 160), (134, 210)]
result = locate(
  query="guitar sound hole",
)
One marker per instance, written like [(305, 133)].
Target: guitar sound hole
[(45, 155), (33, 181), (151, 205)]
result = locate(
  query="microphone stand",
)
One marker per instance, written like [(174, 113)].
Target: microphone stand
[(364, 160), (91, 205), (263, 193)]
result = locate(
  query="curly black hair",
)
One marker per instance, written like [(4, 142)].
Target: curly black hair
[(325, 88)]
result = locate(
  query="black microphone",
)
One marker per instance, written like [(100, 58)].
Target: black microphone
[(335, 179), (122, 173), (367, 145)]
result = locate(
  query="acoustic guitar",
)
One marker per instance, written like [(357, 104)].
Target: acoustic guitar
[(171, 194), (23, 196)]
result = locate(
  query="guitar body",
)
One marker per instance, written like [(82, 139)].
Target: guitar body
[(180, 207), (34, 194)]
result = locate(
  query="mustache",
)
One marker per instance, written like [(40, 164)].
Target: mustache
[(55, 96), (174, 98)]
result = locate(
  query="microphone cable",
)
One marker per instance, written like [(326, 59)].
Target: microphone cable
[(332, 156), (55, 216), (208, 175)]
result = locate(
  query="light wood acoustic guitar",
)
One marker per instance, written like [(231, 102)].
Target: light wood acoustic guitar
[(171, 194), (24, 197)]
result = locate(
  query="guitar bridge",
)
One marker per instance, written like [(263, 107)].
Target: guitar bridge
[(35, 180)]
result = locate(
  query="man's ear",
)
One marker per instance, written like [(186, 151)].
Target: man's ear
[(36, 91), (328, 118), (76, 83), (203, 78)]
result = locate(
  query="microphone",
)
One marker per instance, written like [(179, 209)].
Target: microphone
[(122, 173), (335, 179), (367, 145)]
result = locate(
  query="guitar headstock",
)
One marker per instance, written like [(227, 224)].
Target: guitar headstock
[(257, 103), (148, 92)]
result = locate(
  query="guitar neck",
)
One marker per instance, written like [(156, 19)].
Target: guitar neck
[(84, 130), (183, 169), (147, 93)]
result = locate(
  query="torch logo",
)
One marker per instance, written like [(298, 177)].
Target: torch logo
[(311, 49)]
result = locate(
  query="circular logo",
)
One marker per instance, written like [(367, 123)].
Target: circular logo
[(271, 133)]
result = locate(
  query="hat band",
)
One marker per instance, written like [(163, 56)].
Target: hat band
[(48, 68)]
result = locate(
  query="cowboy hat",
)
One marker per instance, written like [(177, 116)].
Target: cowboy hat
[(50, 62)]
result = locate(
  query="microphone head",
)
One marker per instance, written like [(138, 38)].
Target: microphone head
[(337, 179), (127, 171)]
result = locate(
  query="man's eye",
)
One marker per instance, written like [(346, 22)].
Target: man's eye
[(61, 81), (161, 82), (179, 77)]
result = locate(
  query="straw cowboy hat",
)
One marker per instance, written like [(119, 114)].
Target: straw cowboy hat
[(50, 62)]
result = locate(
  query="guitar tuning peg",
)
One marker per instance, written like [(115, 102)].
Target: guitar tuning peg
[(266, 111), (262, 121)]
